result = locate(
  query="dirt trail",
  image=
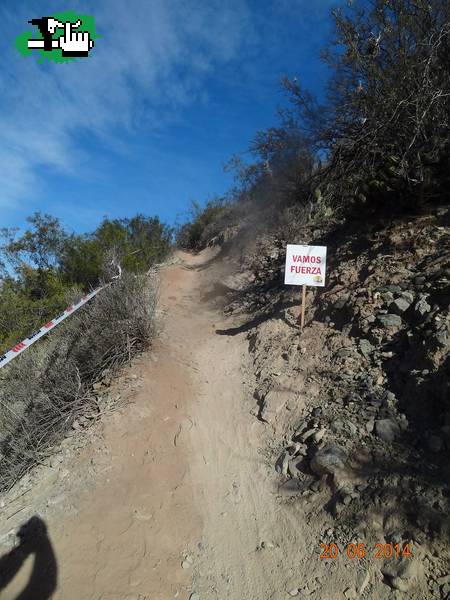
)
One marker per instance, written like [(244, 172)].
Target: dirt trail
[(179, 473)]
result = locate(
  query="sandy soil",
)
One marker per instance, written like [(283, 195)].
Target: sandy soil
[(184, 504)]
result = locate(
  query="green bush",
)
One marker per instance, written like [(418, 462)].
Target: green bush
[(45, 262), (193, 235), (24, 307)]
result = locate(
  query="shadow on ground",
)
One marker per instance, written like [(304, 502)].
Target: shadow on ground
[(34, 541)]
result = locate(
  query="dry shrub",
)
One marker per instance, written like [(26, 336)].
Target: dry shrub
[(45, 389)]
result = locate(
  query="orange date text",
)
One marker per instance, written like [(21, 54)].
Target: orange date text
[(358, 551)]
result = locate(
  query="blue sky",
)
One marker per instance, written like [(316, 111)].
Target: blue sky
[(145, 124)]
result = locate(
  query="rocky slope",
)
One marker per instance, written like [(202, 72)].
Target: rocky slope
[(357, 405)]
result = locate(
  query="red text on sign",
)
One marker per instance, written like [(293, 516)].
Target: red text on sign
[(306, 259), (306, 270)]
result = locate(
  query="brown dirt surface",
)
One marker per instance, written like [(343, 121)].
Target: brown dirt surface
[(171, 495), (175, 495)]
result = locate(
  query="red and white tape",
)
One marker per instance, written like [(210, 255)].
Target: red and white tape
[(27, 342)]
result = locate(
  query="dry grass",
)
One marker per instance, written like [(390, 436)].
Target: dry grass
[(49, 386)]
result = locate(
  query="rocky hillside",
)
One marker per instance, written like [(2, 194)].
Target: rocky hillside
[(357, 405)]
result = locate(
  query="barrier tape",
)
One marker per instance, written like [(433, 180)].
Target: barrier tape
[(27, 342)]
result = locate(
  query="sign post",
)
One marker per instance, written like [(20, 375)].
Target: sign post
[(305, 265), (302, 314)]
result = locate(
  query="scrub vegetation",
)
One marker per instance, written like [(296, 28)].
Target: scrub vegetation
[(378, 141), (45, 390)]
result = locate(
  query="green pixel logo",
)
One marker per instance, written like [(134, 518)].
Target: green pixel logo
[(62, 37)]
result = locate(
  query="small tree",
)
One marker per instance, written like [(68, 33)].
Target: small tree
[(384, 127), (37, 248), (40, 245)]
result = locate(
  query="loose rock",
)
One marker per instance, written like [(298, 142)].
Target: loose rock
[(390, 320), (273, 403), (399, 306), (366, 347), (362, 581), (387, 429), (328, 460), (422, 307)]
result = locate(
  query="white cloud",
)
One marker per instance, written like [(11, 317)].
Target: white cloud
[(151, 60)]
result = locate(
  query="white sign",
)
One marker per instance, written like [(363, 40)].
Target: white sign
[(305, 265)]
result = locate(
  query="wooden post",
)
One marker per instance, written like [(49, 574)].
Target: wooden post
[(302, 315)]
